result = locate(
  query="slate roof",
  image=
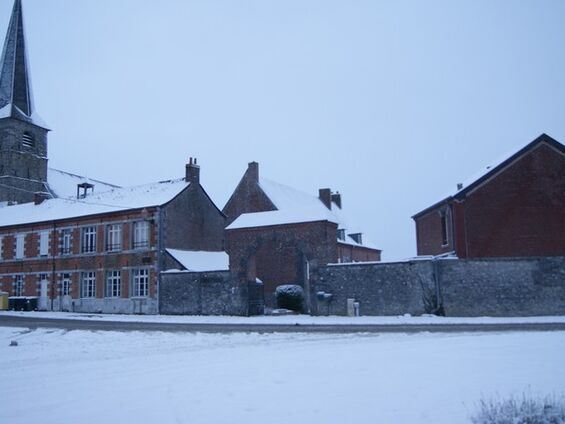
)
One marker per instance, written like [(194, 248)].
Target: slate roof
[(16, 95)]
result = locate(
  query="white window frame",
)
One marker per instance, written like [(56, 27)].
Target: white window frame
[(88, 244), (20, 246), (88, 284), (114, 237), (113, 283), (140, 282), (19, 288), (140, 234), (66, 283), (66, 240), (44, 243)]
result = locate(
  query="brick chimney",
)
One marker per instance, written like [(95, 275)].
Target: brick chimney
[(336, 198), (192, 174), (253, 171), (325, 195)]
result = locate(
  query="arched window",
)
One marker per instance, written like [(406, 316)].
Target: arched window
[(28, 140)]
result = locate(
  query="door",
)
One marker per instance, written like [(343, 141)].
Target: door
[(43, 299)]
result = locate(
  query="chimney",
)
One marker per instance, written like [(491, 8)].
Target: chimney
[(192, 174), (40, 196), (459, 186), (253, 171), (336, 198), (325, 195)]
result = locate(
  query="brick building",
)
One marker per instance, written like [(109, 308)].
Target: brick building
[(515, 208), (103, 252), (278, 234)]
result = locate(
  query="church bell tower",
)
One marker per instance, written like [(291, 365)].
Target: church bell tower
[(23, 135)]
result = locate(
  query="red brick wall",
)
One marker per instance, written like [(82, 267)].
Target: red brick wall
[(521, 211), (518, 212), (276, 252), (33, 265), (350, 253), (429, 236)]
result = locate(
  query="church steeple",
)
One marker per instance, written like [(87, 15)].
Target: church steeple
[(23, 136), (16, 96)]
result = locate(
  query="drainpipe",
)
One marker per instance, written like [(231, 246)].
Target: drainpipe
[(53, 249), (435, 268), (159, 255)]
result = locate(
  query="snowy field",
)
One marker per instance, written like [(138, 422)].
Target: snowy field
[(54, 376)]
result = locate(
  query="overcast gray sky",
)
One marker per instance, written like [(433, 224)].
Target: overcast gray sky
[(390, 102)]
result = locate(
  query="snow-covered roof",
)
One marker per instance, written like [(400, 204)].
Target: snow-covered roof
[(115, 200), (294, 206), (64, 184), (201, 261)]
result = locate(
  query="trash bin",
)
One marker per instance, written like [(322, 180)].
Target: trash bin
[(16, 303), (31, 304), (4, 301), (21, 303)]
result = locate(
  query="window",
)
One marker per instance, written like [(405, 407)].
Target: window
[(88, 284), (1, 248), (140, 234), (66, 285), (20, 241), (66, 242), (28, 140), (341, 234), (140, 283), (89, 239), (19, 285), (114, 237), (444, 241), (113, 284), (44, 243)]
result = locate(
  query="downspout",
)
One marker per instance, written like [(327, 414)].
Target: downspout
[(437, 284), (159, 255), (53, 248)]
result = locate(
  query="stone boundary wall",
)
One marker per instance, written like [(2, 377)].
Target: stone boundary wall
[(472, 287), (202, 293)]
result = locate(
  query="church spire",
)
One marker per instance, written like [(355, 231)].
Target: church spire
[(16, 97)]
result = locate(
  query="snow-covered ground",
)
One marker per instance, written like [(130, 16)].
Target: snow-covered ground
[(54, 376), (291, 319)]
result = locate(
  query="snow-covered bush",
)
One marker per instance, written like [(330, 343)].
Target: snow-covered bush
[(524, 410), (290, 296)]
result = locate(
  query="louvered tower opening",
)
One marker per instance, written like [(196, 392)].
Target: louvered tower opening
[(28, 140)]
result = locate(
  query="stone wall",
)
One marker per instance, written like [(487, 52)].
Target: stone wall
[(480, 287), (202, 293)]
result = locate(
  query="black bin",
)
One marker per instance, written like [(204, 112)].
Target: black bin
[(22, 303)]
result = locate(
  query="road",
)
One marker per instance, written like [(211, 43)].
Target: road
[(93, 325)]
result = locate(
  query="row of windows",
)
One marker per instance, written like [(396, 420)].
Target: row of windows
[(113, 287), (114, 239), (113, 284)]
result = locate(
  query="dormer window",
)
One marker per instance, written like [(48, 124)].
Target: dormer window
[(341, 234), (28, 141)]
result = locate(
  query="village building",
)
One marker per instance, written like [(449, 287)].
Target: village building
[(515, 208), (277, 234)]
